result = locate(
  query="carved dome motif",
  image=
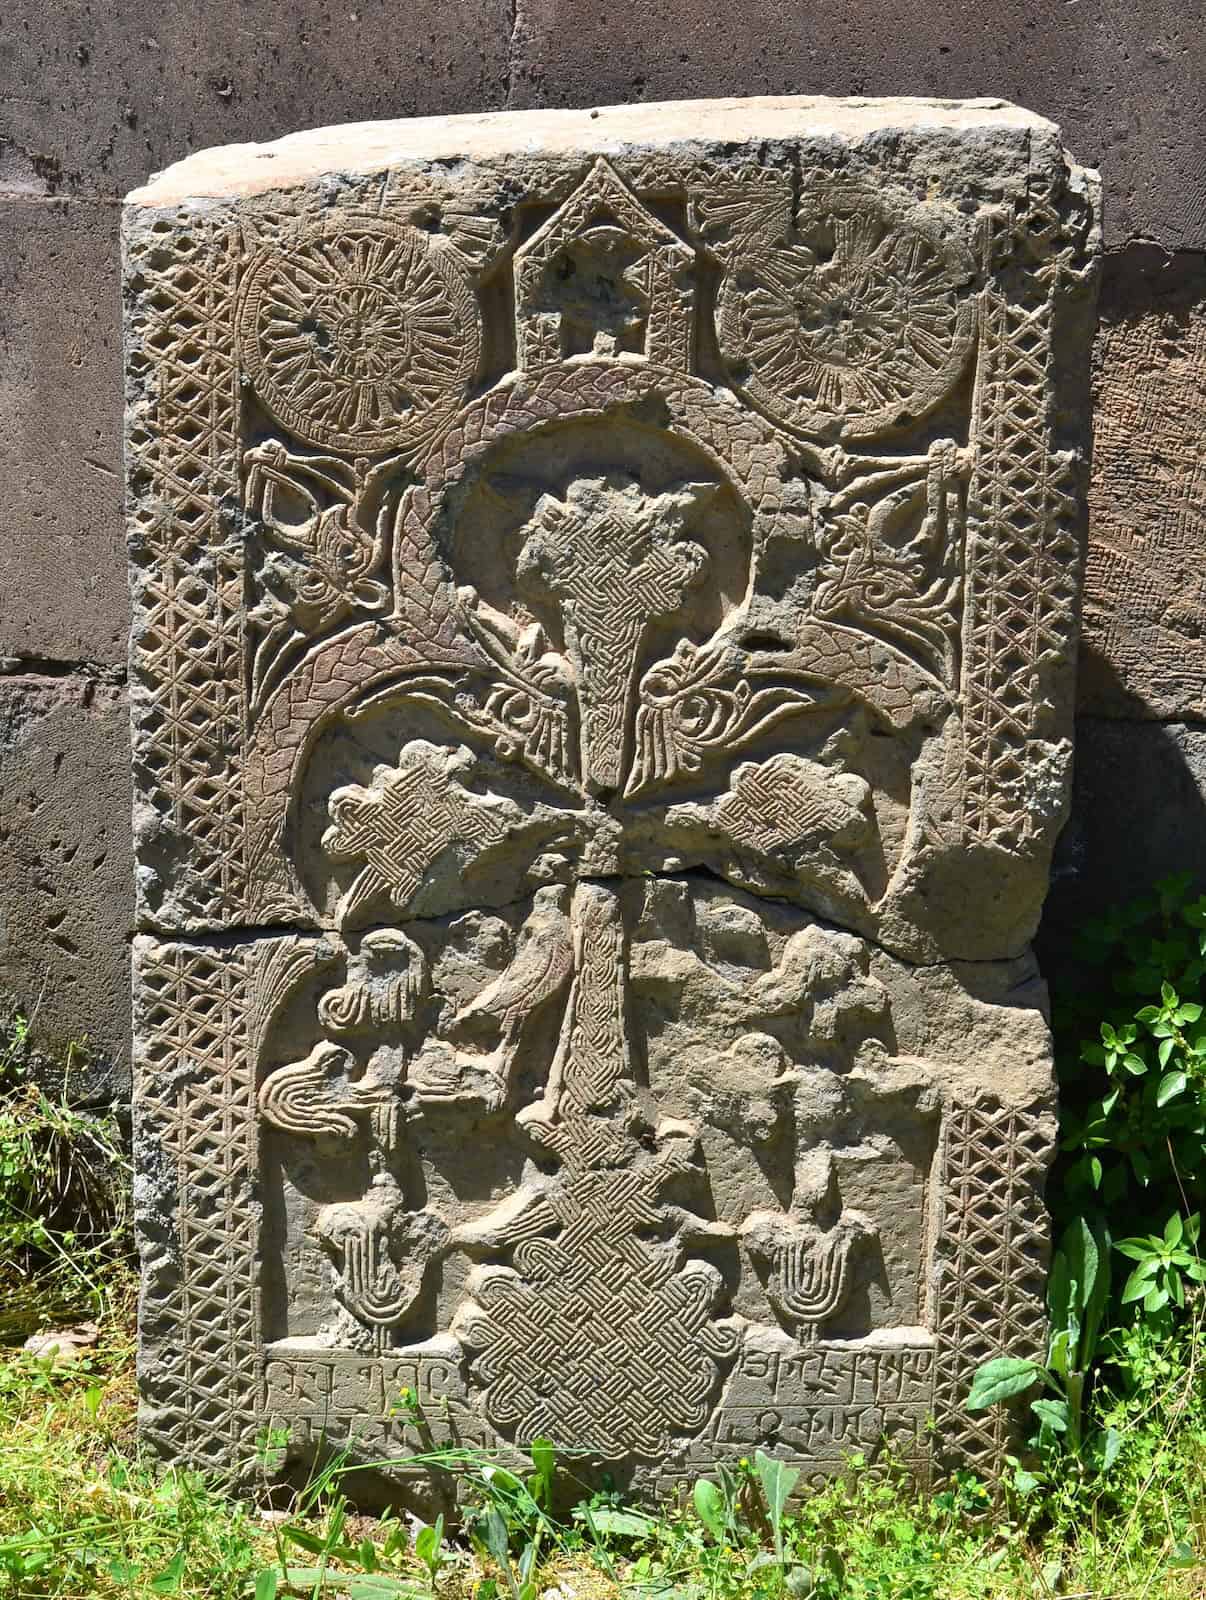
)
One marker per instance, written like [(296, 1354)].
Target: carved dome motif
[(862, 324), (353, 339)]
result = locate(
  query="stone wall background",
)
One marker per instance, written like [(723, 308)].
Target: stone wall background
[(93, 98)]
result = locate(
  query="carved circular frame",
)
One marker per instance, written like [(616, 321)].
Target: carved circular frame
[(884, 287), (360, 338)]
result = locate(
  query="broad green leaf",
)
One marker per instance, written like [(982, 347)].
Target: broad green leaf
[(1079, 1249), (1094, 1243), (266, 1584), (428, 1541), (1190, 1011), (1171, 1085), (502, 1476), (777, 1480), (168, 1581), (1111, 1448), (304, 1540), (710, 1507), (1001, 1379), (492, 1527), (622, 1524), (1136, 1249), (1058, 1352), (1059, 1289), (1053, 1412), (1174, 1230), (1155, 1299), (1134, 1064), (1139, 1284), (1168, 995), (1167, 1046), (355, 1585)]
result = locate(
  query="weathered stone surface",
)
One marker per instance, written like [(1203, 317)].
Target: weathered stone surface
[(1126, 83), (65, 893), (62, 557), (605, 590), (95, 99), (1138, 815), (1144, 642)]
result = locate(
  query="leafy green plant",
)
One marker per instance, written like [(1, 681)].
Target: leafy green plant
[(64, 1195), (429, 1548), (1166, 1262), (1078, 1290), (516, 1518), (1131, 1051)]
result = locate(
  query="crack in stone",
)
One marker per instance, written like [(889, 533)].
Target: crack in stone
[(39, 666), (231, 938)]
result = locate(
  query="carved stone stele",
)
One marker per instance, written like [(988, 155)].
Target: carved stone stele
[(605, 599)]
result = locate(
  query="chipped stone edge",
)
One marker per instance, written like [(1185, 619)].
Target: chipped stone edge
[(241, 170)]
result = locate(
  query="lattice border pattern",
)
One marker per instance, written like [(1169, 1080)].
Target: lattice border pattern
[(1023, 562), (196, 1129), (187, 657), (992, 1251)]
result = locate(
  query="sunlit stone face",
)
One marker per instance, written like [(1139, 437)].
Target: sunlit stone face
[(604, 600)]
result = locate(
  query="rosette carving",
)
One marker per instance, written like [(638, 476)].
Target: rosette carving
[(358, 338), (862, 323)]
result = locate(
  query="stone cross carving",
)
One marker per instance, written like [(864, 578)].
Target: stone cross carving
[(605, 590)]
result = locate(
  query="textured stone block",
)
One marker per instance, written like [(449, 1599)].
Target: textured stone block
[(62, 557), (1138, 815), (1144, 641), (605, 590), (66, 901), (1125, 82), (97, 99)]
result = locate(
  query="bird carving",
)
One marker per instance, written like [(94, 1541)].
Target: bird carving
[(383, 1252), (316, 1096), (540, 968), (302, 1098), (386, 982), (809, 1267)]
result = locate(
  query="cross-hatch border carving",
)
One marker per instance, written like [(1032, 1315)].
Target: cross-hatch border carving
[(187, 656), (196, 1133)]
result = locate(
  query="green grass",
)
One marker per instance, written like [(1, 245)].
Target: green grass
[(64, 1196), (82, 1514)]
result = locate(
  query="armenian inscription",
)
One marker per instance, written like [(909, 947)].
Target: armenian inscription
[(605, 599)]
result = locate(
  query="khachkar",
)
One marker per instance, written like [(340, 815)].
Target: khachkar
[(605, 589)]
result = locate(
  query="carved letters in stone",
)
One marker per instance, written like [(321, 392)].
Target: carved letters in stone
[(605, 589)]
